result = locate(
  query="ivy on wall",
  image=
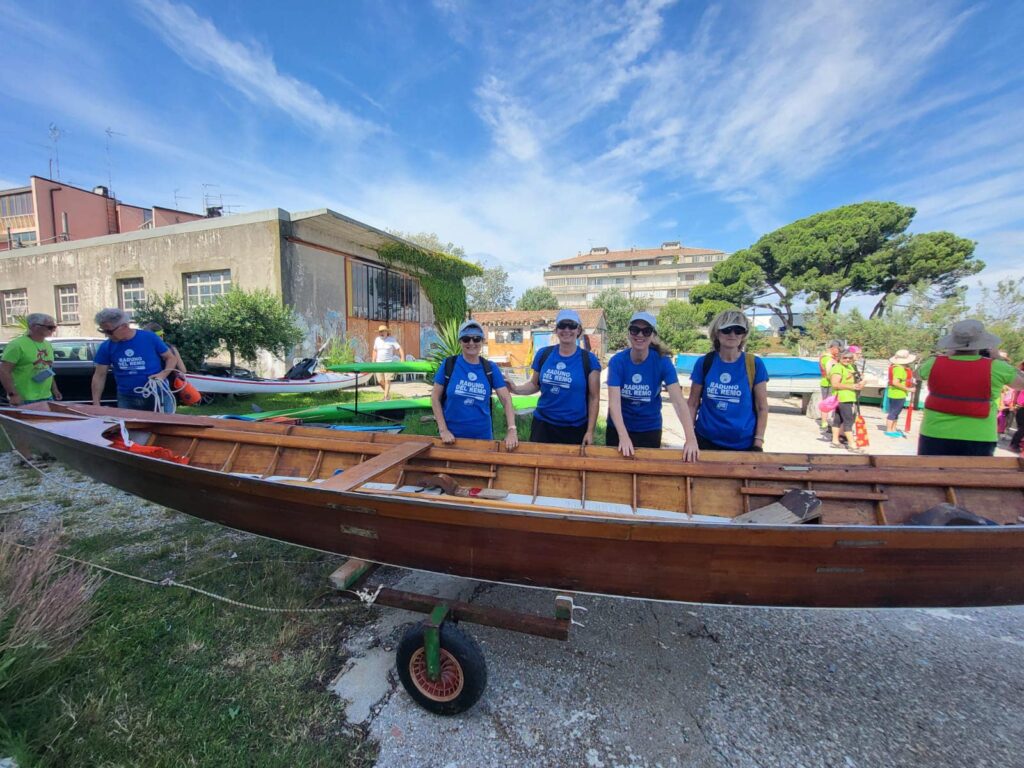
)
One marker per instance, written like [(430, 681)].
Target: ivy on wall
[(440, 275)]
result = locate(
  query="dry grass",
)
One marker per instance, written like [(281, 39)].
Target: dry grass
[(44, 605)]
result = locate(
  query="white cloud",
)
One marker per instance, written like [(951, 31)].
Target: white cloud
[(521, 220), (247, 68)]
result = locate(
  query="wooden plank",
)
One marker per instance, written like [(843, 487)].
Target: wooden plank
[(230, 462), (439, 469), (541, 626), (767, 490), (273, 463), (857, 473), (315, 471), (378, 465)]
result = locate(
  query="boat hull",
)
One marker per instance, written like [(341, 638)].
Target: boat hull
[(321, 382), (806, 566)]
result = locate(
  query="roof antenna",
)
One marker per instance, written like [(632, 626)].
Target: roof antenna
[(110, 184), (55, 134)]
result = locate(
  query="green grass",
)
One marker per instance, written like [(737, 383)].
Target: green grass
[(165, 677)]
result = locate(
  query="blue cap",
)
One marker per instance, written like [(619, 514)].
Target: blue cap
[(647, 317), (568, 314), (471, 323)]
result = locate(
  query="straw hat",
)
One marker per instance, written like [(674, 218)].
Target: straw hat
[(903, 357), (968, 335)]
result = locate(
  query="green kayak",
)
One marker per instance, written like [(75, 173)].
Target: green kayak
[(396, 366), (345, 411)]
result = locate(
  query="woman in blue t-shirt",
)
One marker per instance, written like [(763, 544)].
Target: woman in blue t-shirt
[(729, 414), (569, 396), (635, 378), (466, 410)]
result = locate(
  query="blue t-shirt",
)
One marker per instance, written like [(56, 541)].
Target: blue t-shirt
[(641, 388), (563, 387), (467, 409), (726, 415), (132, 361)]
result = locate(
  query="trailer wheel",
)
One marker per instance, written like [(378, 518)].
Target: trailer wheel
[(463, 671)]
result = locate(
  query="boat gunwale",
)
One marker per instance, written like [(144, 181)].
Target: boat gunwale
[(357, 501)]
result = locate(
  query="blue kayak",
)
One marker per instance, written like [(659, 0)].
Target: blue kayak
[(778, 367)]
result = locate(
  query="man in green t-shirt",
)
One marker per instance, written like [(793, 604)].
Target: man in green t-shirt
[(949, 428), (26, 367)]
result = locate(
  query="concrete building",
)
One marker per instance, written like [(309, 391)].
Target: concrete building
[(49, 211), (321, 263), (658, 274), (514, 336)]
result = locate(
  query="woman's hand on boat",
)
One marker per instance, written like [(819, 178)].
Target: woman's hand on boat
[(625, 446), (588, 438), (690, 451), (446, 436), (512, 438)]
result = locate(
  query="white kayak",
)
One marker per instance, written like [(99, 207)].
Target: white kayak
[(318, 382)]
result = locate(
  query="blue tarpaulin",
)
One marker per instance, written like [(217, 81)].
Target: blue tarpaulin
[(778, 367)]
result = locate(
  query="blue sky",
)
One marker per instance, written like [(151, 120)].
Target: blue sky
[(529, 132)]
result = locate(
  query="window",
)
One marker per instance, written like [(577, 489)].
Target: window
[(16, 205), (513, 336), (131, 293), (205, 287), (23, 239), (380, 294), (70, 350), (66, 300), (15, 305)]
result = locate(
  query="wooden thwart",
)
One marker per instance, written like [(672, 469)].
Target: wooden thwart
[(378, 465)]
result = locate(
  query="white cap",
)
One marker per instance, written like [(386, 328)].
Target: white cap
[(647, 317), (568, 314), (471, 323)]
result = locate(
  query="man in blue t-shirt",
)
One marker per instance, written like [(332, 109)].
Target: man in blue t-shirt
[(466, 411), (135, 357)]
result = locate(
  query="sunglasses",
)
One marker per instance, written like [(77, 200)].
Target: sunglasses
[(112, 331), (567, 325), (737, 330), (48, 327), (471, 339), (636, 330)]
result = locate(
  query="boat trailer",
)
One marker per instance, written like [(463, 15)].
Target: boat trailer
[(442, 667)]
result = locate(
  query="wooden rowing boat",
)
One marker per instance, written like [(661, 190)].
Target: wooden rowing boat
[(574, 519)]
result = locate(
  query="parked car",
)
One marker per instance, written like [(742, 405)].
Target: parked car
[(73, 365)]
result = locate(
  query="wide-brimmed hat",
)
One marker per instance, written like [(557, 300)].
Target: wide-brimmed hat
[(968, 335), (382, 327), (903, 357), (647, 317)]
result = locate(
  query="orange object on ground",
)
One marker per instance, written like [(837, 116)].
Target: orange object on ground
[(153, 451), (860, 431)]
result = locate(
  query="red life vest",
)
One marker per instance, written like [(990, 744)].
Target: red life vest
[(960, 387), (910, 377)]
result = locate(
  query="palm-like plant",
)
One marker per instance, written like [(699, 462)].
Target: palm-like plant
[(447, 343)]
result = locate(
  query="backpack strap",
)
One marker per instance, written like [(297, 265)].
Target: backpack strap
[(751, 361), (705, 365), (544, 355), (449, 368)]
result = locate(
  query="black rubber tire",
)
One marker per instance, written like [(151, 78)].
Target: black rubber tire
[(463, 671)]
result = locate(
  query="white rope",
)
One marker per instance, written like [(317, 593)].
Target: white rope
[(156, 388)]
